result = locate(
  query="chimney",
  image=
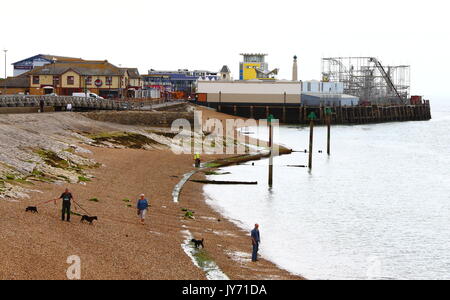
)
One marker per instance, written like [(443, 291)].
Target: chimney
[(295, 70)]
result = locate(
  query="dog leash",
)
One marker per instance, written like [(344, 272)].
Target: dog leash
[(81, 208), (42, 203)]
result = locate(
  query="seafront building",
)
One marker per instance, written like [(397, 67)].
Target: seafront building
[(254, 66), (28, 64), (66, 78), (63, 76), (182, 83)]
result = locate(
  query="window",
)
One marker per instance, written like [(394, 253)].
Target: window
[(70, 80), (35, 79), (108, 80), (88, 80), (55, 80)]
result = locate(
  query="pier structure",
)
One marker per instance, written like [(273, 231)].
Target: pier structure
[(342, 115)]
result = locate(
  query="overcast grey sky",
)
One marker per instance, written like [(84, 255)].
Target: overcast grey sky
[(206, 34)]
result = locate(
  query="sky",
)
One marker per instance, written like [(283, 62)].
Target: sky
[(206, 34)]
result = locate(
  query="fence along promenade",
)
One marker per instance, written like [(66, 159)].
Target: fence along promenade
[(78, 103)]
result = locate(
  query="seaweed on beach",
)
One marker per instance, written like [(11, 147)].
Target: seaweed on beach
[(52, 159), (125, 139), (83, 179), (189, 214), (166, 134)]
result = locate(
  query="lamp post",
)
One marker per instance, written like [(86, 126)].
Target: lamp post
[(54, 75), (5, 71)]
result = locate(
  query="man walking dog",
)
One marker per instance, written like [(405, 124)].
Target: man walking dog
[(66, 197)]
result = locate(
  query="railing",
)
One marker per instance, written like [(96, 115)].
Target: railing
[(80, 102)]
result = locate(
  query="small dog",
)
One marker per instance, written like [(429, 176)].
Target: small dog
[(88, 219), (32, 209), (198, 243)]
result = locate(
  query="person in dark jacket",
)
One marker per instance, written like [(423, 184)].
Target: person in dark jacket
[(142, 208), (256, 240), (41, 106), (66, 197)]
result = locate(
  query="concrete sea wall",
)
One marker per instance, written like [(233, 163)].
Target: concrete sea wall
[(144, 118)]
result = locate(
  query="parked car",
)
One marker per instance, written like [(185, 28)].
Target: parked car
[(87, 95)]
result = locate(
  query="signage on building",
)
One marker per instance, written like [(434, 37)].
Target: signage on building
[(98, 83), (17, 67)]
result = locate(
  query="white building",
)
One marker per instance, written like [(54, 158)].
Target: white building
[(249, 92)]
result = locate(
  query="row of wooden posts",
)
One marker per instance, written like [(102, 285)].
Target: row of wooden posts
[(341, 114), (325, 115), (312, 117)]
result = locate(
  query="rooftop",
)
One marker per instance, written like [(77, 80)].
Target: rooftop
[(51, 58), (15, 82), (85, 68), (132, 72), (254, 54), (225, 69)]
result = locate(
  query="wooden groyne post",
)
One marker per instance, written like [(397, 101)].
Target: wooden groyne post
[(328, 113), (312, 116), (269, 120)]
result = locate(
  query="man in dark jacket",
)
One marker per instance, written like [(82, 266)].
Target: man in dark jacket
[(256, 239), (66, 204)]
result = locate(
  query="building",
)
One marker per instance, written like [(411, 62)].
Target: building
[(214, 93), (225, 74), (254, 67), (134, 82), (66, 78), (316, 86), (316, 93), (39, 60), (181, 83), (15, 85), (328, 99)]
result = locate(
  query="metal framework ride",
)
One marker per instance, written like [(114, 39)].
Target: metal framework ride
[(368, 79)]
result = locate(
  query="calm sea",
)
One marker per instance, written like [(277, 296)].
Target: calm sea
[(378, 208)]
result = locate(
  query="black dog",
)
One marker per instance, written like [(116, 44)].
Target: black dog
[(198, 243), (32, 209), (88, 219)]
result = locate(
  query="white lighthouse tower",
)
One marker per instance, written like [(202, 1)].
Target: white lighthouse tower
[(295, 70)]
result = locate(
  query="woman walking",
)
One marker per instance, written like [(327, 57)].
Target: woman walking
[(142, 208)]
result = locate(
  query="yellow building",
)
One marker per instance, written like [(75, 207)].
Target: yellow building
[(66, 78), (251, 62)]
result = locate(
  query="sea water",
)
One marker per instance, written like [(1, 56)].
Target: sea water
[(377, 208)]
